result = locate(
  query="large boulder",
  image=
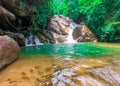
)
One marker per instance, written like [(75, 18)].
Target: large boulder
[(18, 37), (5, 13), (18, 7), (6, 17), (83, 34), (108, 74), (15, 15), (9, 51), (59, 26)]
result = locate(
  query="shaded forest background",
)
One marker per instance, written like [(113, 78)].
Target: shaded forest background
[(101, 16)]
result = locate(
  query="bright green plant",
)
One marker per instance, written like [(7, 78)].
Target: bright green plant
[(101, 16), (42, 13)]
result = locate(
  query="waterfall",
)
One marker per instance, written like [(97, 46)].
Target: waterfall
[(32, 40), (70, 39)]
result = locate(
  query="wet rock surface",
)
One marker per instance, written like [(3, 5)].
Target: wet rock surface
[(9, 51), (69, 77), (57, 30), (60, 72), (83, 34), (108, 75), (116, 62), (59, 26)]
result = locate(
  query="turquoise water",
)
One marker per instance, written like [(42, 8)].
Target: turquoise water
[(73, 50), (63, 65)]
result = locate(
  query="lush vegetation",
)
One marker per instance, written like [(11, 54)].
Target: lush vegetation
[(101, 16)]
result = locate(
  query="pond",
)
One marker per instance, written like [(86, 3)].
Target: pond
[(65, 65)]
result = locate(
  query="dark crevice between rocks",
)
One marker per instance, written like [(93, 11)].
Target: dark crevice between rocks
[(22, 22)]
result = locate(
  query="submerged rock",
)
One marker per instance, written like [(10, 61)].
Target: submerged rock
[(116, 62), (9, 51), (108, 75)]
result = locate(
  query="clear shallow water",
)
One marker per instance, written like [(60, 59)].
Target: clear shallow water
[(61, 65), (73, 50)]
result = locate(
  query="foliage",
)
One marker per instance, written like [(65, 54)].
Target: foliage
[(42, 13), (102, 16), (104, 20)]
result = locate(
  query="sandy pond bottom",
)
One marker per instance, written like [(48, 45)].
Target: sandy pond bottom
[(43, 71), (65, 65)]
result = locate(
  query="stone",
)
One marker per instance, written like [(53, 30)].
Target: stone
[(77, 32), (7, 13), (83, 34), (15, 15), (20, 39), (59, 24), (61, 39), (9, 51), (42, 38), (1, 32), (6, 17), (108, 75), (52, 41), (116, 62), (59, 28), (68, 77), (47, 34), (17, 7)]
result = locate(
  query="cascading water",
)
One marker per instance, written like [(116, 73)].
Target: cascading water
[(32, 40), (70, 39)]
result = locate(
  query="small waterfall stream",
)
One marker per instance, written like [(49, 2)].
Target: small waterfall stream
[(32, 40), (70, 39)]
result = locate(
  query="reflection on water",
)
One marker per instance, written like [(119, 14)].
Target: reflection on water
[(65, 65), (42, 71), (73, 50), (63, 77)]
